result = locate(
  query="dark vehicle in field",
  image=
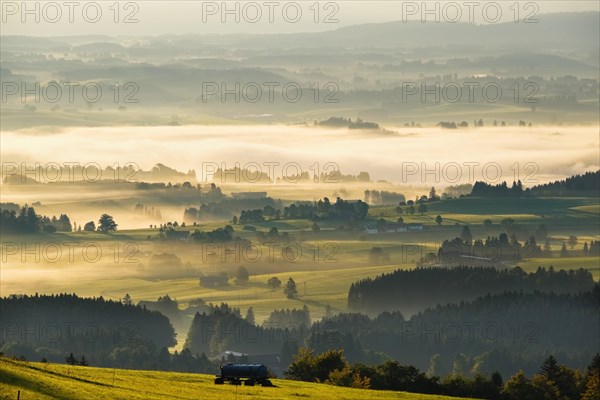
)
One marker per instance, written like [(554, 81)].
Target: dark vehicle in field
[(252, 373)]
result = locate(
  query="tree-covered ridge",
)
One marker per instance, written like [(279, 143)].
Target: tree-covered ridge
[(411, 290), (553, 381), (504, 332), (578, 184), (285, 318), (26, 220), (104, 330), (587, 184), (223, 328), (226, 208)]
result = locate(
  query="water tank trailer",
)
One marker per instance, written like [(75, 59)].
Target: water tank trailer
[(252, 373)]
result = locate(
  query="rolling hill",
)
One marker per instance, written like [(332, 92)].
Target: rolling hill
[(58, 381)]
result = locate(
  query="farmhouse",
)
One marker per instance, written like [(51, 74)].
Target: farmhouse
[(392, 228), (371, 229)]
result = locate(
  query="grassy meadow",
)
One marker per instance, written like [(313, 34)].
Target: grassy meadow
[(41, 381)]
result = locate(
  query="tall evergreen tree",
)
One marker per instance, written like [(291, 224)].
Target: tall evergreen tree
[(550, 368), (290, 289), (250, 316)]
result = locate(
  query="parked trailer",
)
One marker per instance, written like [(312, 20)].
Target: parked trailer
[(252, 373)]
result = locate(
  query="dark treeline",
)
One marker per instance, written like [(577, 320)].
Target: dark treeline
[(493, 249), (587, 184), (325, 210), (501, 189), (150, 212), (383, 197), (553, 381), (108, 332), (225, 208), (283, 318), (92, 173), (593, 249), (26, 220), (283, 333), (237, 175), (412, 290), (321, 210), (179, 193), (341, 122), (503, 332), (223, 328)]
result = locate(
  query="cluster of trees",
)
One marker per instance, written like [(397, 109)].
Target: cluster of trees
[(212, 191), (476, 123), (493, 249), (227, 208), (336, 176), (241, 276), (341, 122), (224, 234), (222, 328), (410, 290), (411, 209), (122, 174), (325, 210), (453, 125), (593, 249), (282, 318), (150, 212), (26, 220), (71, 360), (484, 189), (273, 235), (383, 197), (60, 224), (519, 231), (552, 382), (237, 174), (251, 217)]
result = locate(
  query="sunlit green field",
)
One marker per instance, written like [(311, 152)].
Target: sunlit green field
[(331, 259), (53, 381), (592, 264)]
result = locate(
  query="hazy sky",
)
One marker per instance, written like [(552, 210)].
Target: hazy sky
[(155, 17)]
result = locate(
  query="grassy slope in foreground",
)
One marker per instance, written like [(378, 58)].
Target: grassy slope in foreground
[(58, 381)]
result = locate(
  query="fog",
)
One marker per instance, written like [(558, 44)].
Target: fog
[(555, 151)]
